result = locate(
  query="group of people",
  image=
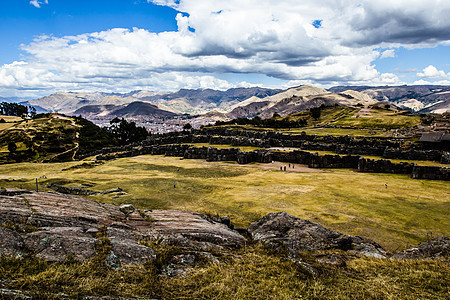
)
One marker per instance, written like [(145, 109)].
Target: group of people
[(283, 168)]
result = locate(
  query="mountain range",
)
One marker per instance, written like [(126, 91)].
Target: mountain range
[(240, 102)]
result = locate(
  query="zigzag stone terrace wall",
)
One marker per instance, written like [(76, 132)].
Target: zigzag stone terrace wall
[(387, 148)]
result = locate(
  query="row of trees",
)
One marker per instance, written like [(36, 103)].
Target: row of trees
[(18, 110), (272, 122), (127, 132)]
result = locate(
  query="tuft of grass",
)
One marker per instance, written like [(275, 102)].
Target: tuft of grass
[(253, 272)]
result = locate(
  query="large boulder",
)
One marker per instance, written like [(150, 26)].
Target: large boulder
[(281, 230), (436, 248), (57, 243), (191, 230)]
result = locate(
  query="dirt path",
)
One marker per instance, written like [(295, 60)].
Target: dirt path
[(362, 113)]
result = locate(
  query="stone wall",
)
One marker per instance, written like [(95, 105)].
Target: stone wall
[(384, 166), (433, 173), (313, 160), (387, 148)]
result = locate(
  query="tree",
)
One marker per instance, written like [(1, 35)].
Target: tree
[(14, 109), (187, 126), (315, 113), (257, 121), (12, 147), (127, 132), (32, 112)]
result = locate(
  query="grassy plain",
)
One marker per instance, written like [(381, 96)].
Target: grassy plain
[(378, 118), (10, 121), (404, 214), (321, 131)]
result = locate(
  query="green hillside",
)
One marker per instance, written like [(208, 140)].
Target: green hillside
[(335, 120), (49, 137)]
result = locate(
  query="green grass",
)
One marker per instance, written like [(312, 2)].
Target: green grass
[(38, 139), (408, 212), (355, 203), (379, 119), (10, 121), (377, 122), (51, 137), (10, 118), (328, 115), (322, 131)]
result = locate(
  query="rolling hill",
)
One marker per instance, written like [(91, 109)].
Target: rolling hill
[(239, 102), (50, 138), (417, 98), (296, 100)]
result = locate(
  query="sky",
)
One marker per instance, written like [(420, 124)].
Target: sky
[(49, 46)]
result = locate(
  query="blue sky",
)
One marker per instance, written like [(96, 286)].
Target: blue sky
[(165, 45), (20, 21)]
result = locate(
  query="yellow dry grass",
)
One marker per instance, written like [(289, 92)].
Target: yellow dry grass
[(406, 213)]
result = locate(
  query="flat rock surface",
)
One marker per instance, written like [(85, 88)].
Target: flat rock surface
[(70, 225), (11, 243), (192, 230)]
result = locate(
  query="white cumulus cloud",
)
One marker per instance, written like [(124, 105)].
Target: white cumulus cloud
[(432, 72), (37, 3), (276, 39), (388, 53)]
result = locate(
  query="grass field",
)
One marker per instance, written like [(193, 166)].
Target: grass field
[(373, 122), (321, 131), (406, 213), (37, 139), (10, 121), (378, 119)]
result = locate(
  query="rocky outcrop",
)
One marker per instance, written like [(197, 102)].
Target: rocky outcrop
[(281, 230), (65, 225), (191, 230), (54, 227), (436, 248), (55, 244)]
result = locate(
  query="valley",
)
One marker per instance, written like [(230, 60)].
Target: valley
[(165, 112), (302, 193)]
